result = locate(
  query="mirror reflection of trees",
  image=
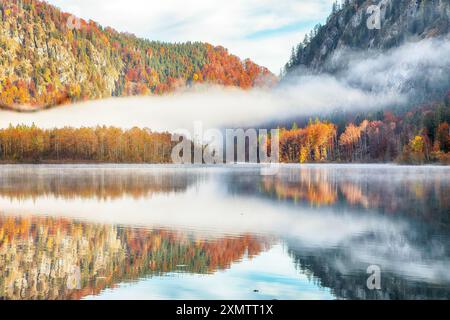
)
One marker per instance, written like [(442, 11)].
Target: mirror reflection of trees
[(100, 183), (423, 193), (48, 258)]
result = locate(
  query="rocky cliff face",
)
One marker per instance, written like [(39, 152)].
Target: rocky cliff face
[(399, 21)]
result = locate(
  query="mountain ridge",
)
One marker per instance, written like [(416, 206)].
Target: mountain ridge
[(347, 27), (49, 57)]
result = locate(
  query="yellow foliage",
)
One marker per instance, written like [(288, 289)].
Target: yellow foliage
[(304, 154), (47, 75), (417, 144)]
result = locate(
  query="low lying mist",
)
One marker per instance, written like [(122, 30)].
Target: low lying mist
[(355, 81)]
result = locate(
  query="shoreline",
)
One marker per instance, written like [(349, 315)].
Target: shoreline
[(49, 162)]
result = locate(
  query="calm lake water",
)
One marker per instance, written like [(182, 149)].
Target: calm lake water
[(167, 232)]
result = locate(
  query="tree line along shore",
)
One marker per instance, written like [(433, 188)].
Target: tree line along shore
[(317, 142)]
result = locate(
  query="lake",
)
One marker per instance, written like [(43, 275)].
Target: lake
[(169, 232)]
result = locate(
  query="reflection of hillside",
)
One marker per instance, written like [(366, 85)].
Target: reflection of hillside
[(328, 270), (99, 184), (46, 258)]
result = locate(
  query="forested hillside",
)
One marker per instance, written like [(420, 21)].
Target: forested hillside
[(48, 58), (400, 21)]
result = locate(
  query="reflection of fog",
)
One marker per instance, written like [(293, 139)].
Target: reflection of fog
[(336, 220), (213, 213), (394, 217)]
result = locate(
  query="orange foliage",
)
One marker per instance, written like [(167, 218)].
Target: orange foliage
[(314, 143)]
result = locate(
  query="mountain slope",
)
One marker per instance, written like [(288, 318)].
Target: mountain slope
[(406, 57), (346, 27), (48, 57)]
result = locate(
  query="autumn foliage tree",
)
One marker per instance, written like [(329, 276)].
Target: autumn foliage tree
[(417, 136), (100, 144), (313, 143)]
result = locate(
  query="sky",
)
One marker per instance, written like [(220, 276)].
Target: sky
[(262, 30)]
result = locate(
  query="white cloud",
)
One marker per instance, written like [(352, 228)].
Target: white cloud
[(278, 24)]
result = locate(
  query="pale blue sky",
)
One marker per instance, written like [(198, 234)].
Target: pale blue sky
[(263, 30)]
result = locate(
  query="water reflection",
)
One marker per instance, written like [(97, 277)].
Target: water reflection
[(48, 258), (100, 183), (70, 232), (421, 192)]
